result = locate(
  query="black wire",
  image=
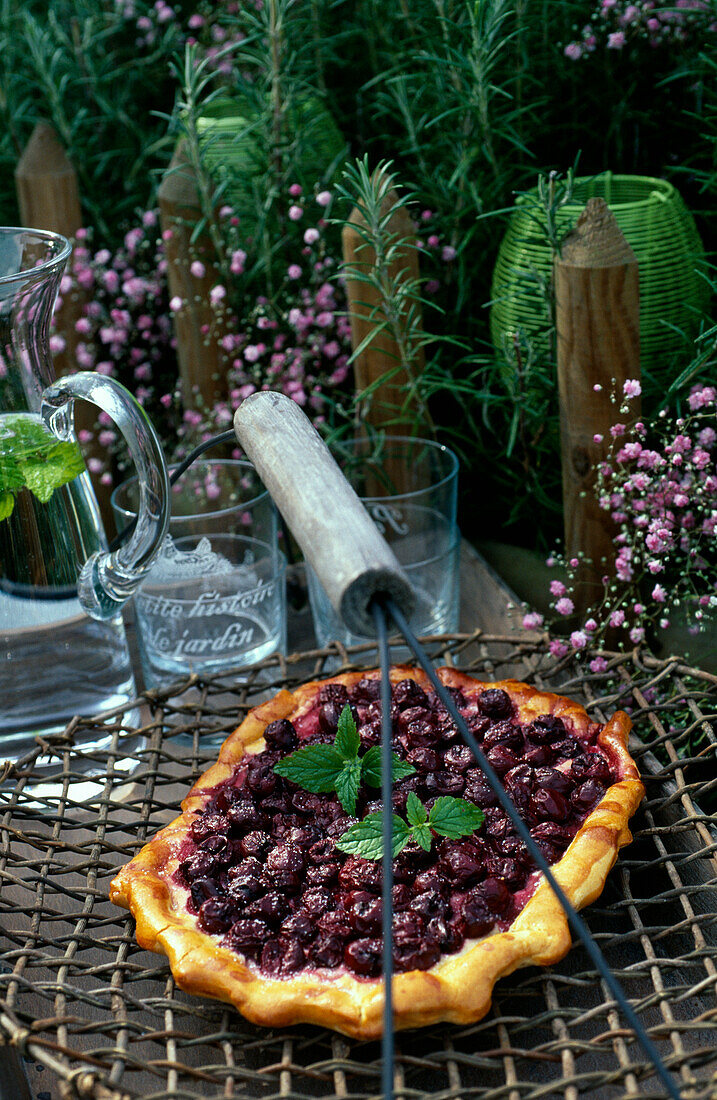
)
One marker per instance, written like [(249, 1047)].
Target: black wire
[(223, 437), (387, 1043), (578, 925)]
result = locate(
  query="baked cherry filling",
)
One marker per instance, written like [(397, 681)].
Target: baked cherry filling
[(265, 875)]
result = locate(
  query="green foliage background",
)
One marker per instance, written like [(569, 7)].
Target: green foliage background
[(470, 101)]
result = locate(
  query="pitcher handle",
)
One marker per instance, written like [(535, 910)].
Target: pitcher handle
[(108, 580)]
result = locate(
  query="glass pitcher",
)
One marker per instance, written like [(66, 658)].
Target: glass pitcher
[(63, 650)]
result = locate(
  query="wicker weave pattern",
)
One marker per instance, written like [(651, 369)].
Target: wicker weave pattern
[(79, 996)]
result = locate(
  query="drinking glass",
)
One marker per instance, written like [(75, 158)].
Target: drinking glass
[(409, 488), (215, 597)]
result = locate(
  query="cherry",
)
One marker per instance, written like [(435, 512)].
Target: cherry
[(247, 936), (334, 693), (495, 703), (547, 804), (244, 880), (243, 816), (216, 915), (445, 782), (322, 874), (585, 797), (282, 956), (407, 693), (431, 880), (203, 888), (504, 868), (364, 912), (301, 926), (477, 918), (365, 691), (424, 759), (546, 727), (363, 957), (501, 759), (590, 765), (284, 866), (326, 950), (478, 789), (317, 901), (281, 735), (447, 933), (207, 824), (361, 874), (463, 862), (503, 733), (494, 893), (429, 904), (537, 755), (272, 908), (255, 843), (459, 758), (260, 778), (553, 780), (420, 956), (304, 802)]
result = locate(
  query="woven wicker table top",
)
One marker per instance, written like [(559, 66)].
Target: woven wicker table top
[(102, 1019)]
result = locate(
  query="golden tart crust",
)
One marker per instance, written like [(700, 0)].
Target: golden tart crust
[(458, 988)]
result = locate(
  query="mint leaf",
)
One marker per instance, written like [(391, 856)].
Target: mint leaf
[(365, 838), (33, 458), (454, 817), (314, 768), (347, 785), (416, 812), (423, 836), (371, 767), (347, 740)]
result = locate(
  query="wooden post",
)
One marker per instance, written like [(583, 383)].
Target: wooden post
[(382, 354), (202, 362), (49, 198), (598, 343)]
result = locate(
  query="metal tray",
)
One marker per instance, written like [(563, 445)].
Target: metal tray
[(99, 1019)]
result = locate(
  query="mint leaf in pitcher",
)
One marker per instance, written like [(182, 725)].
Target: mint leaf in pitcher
[(32, 458)]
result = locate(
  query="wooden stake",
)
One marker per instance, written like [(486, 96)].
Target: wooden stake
[(202, 363), (597, 312), (382, 354)]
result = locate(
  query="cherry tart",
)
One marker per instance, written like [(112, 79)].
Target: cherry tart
[(252, 901)]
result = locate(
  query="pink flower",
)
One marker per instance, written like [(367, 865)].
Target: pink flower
[(57, 343), (557, 588), (166, 400), (323, 198), (295, 213), (238, 261), (598, 664), (659, 594), (702, 396), (565, 606), (578, 639), (197, 269), (573, 51), (294, 271), (295, 190), (617, 618), (251, 353), (558, 648), (616, 40), (637, 634), (311, 236), (175, 303), (448, 253), (217, 293), (533, 620)]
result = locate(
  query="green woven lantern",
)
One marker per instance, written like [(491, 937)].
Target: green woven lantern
[(236, 149), (662, 233)]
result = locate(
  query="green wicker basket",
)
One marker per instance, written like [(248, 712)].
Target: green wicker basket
[(236, 152), (663, 236)]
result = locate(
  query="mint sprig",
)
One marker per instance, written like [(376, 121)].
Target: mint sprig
[(338, 767), (450, 817), (31, 458)]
